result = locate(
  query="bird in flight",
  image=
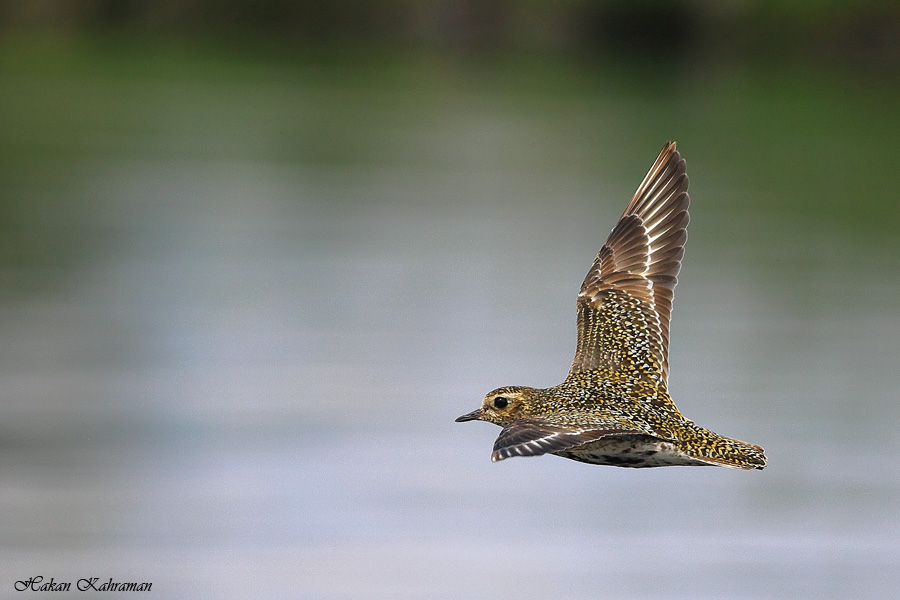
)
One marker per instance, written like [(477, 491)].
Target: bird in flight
[(614, 406)]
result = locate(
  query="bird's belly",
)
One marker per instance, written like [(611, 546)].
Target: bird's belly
[(636, 451)]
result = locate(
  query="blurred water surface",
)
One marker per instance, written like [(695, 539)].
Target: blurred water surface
[(242, 305)]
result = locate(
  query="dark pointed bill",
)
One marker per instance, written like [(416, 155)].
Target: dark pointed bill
[(472, 416)]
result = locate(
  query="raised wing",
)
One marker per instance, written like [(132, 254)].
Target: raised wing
[(625, 302), (533, 437)]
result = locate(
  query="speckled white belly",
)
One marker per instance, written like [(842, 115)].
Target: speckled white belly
[(636, 451)]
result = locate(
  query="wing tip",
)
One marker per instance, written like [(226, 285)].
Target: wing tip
[(664, 183), (670, 149)]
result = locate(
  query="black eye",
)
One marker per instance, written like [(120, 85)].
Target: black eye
[(501, 402)]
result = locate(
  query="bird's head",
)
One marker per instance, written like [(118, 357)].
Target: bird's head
[(503, 405)]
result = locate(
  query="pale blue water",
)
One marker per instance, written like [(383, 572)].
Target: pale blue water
[(243, 379)]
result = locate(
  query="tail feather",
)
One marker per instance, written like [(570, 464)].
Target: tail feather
[(728, 452)]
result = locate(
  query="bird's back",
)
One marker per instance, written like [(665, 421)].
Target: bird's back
[(640, 404)]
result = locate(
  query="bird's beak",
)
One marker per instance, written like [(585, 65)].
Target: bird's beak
[(472, 416)]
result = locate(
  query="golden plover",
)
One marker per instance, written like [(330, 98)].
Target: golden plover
[(614, 407)]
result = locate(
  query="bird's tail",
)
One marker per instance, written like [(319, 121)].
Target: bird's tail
[(724, 451)]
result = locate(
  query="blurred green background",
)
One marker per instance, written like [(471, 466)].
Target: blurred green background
[(256, 256)]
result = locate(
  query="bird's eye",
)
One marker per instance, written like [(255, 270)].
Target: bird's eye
[(501, 402)]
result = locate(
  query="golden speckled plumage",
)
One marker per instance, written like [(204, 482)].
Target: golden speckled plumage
[(614, 407)]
